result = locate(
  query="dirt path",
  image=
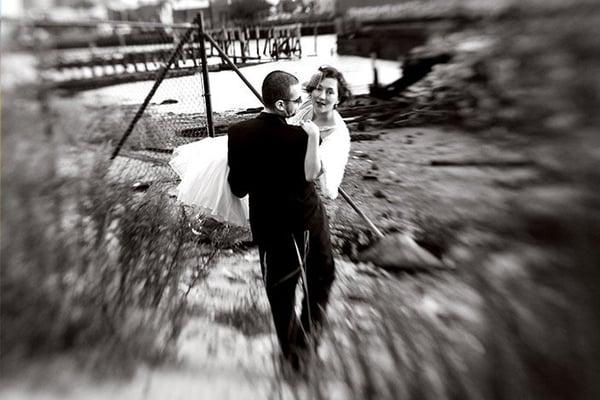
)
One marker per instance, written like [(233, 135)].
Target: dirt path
[(226, 351), (227, 347)]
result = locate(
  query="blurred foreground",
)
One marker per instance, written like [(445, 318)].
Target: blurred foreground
[(494, 166)]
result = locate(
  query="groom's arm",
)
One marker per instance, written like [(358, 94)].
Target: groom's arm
[(238, 181)]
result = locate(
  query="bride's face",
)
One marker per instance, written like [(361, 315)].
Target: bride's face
[(325, 96)]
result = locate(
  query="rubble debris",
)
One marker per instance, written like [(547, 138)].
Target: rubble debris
[(481, 163), (380, 194), (355, 137)]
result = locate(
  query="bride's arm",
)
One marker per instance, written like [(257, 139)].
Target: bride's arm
[(334, 151), (312, 160)]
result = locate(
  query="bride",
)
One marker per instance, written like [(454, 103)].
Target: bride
[(202, 165)]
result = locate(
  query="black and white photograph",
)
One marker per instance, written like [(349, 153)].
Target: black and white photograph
[(300, 199)]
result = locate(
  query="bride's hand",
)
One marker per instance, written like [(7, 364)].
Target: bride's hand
[(310, 128)]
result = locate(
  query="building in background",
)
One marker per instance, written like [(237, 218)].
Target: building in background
[(158, 11), (342, 6), (56, 9), (187, 10), (324, 6), (218, 14)]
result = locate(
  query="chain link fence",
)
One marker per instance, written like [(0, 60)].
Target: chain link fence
[(100, 244)]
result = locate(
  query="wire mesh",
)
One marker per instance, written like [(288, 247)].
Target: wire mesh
[(112, 229), (171, 112), (152, 90)]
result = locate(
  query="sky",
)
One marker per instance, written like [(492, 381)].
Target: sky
[(10, 8), (14, 8)]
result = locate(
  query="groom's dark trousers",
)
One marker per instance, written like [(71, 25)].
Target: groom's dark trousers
[(288, 222)]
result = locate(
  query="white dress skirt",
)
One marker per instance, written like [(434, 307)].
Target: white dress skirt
[(203, 170)]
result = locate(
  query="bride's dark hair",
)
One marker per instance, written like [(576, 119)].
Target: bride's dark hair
[(326, 71)]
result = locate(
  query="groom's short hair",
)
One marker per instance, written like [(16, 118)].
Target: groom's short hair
[(276, 86)]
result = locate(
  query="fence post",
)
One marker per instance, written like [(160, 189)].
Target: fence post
[(207, 100), (257, 33)]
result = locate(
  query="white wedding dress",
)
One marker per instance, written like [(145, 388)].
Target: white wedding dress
[(202, 167), (333, 150)]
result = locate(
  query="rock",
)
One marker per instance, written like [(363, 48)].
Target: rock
[(370, 177), (363, 240), (394, 199), (172, 192), (400, 252), (140, 186), (380, 194), (374, 167), (169, 101), (252, 110), (354, 137)]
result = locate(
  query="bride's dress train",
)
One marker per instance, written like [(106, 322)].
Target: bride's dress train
[(202, 167)]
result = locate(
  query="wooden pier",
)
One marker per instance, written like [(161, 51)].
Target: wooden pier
[(85, 68)]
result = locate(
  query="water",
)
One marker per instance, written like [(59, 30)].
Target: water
[(228, 92)]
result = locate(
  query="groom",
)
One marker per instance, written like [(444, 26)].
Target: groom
[(276, 164)]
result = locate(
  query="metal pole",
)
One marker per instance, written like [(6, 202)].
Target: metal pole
[(159, 79), (207, 101), (362, 214), (233, 66)]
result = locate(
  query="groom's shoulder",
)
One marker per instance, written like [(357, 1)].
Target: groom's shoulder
[(245, 126)]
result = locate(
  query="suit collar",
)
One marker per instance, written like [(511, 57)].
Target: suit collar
[(272, 117)]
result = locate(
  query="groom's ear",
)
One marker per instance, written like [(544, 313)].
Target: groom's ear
[(280, 105)]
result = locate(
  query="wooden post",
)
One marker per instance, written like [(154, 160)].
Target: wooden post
[(131, 56), (231, 35), (194, 55), (207, 100), (235, 69), (275, 48), (268, 43), (315, 35), (243, 43), (375, 75), (93, 66), (257, 32)]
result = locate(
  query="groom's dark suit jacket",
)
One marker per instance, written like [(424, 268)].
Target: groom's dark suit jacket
[(266, 161)]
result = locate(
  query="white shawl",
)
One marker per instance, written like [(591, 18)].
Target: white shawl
[(333, 150)]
